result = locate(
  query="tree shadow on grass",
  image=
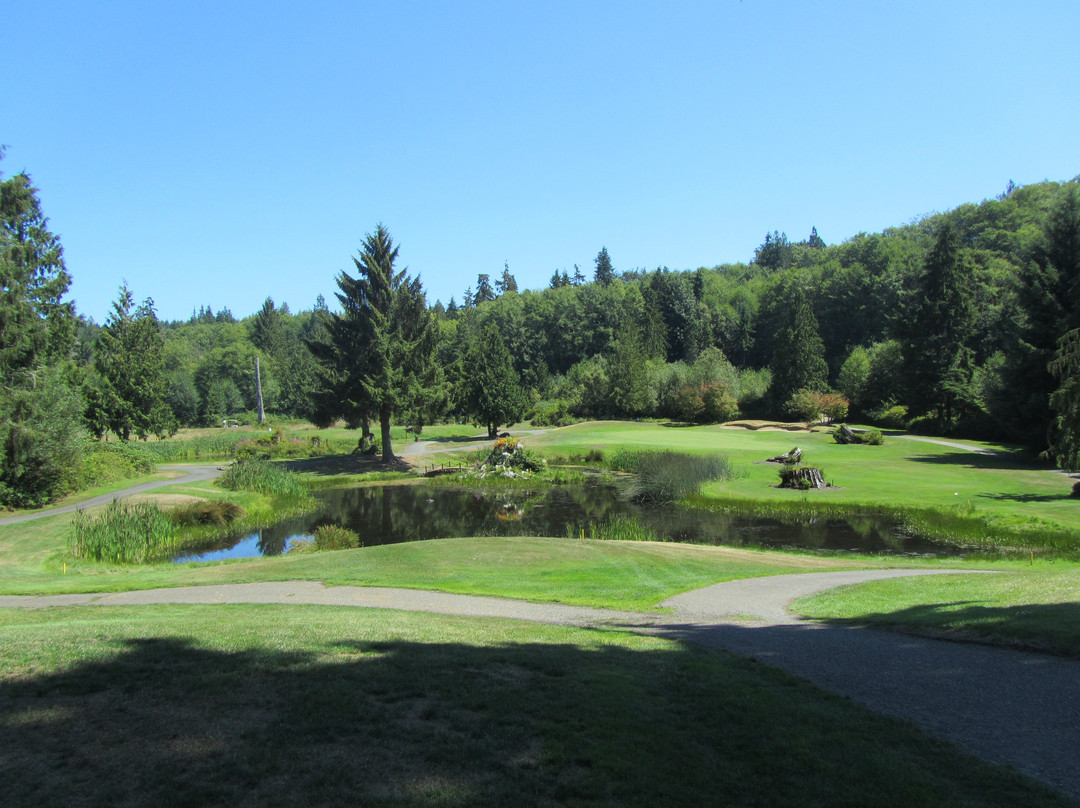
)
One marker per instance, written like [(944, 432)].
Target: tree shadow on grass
[(166, 722), (1052, 628), (1013, 461), (1028, 497)]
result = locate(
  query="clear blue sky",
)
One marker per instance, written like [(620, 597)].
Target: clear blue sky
[(216, 153)]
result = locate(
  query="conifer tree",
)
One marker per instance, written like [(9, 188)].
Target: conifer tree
[(381, 347), (40, 411), (799, 358), (492, 394), (605, 272), (130, 361), (938, 360)]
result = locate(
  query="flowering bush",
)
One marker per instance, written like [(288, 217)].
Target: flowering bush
[(510, 458)]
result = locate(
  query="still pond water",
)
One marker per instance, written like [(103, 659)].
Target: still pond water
[(398, 513)]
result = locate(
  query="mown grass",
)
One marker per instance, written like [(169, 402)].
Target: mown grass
[(1033, 608), (305, 705), (1007, 498)]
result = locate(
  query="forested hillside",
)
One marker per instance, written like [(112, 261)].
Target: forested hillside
[(949, 324)]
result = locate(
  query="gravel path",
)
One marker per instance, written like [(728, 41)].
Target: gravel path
[(1009, 707), (191, 474)]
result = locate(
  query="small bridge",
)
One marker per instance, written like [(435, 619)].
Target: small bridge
[(439, 471)]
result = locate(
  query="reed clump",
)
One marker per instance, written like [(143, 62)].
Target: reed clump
[(617, 528), (336, 537), (665, 476), (124, 533), (260, 476)]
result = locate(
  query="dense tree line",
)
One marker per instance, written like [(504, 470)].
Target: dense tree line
[(963, 322)]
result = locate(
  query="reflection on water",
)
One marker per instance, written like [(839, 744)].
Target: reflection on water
[(390, 514)]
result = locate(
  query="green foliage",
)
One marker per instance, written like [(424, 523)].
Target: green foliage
[(846, 435), (123, 534), (108, 462), (938, 357), (605, 272), (662, 477), (616, 528), (40, 414), (336, 537), (553, 414), (41, 438), (799, 360), (492, 393), (378, 353), (130, 361), (215, 512), (1065, 402), (262, 477)]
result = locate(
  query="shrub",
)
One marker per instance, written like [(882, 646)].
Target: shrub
[(720, 405), (218, 512), (804, 405), (811, 405), (262, 477), (108, 462), (894, 416), (1076, 491), (123, 534), (336, 537)]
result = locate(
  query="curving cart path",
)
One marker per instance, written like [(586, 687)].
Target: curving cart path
[(1010, 707), (190, 473)]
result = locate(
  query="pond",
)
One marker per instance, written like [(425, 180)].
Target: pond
[(397, 513)]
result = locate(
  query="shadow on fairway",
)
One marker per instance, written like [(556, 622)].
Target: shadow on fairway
[(1013, 461), (1055, 624), (166, 722)]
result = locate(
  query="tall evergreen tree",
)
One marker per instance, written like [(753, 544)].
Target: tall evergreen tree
[(799, 358), (506, 282), (492, 394), (605, 272), (40, 423), (1065, 402), (380, 349), (1050, 299), (938, 360), (484, 292), (131, 364), (628, 373)]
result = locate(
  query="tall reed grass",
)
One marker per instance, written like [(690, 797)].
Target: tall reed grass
[(617, 528), (262, 477), (665, 476), (123, 534)]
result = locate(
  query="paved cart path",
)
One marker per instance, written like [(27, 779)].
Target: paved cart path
[(1009, 707), (189, 473)]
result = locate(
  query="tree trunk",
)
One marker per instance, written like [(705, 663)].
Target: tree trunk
[(258, 392), (384, 423), (493, 431)]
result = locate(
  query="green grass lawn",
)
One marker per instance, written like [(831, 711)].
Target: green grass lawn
[(1038, 608), (307, 705), (1009, 491), (900, 475)]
